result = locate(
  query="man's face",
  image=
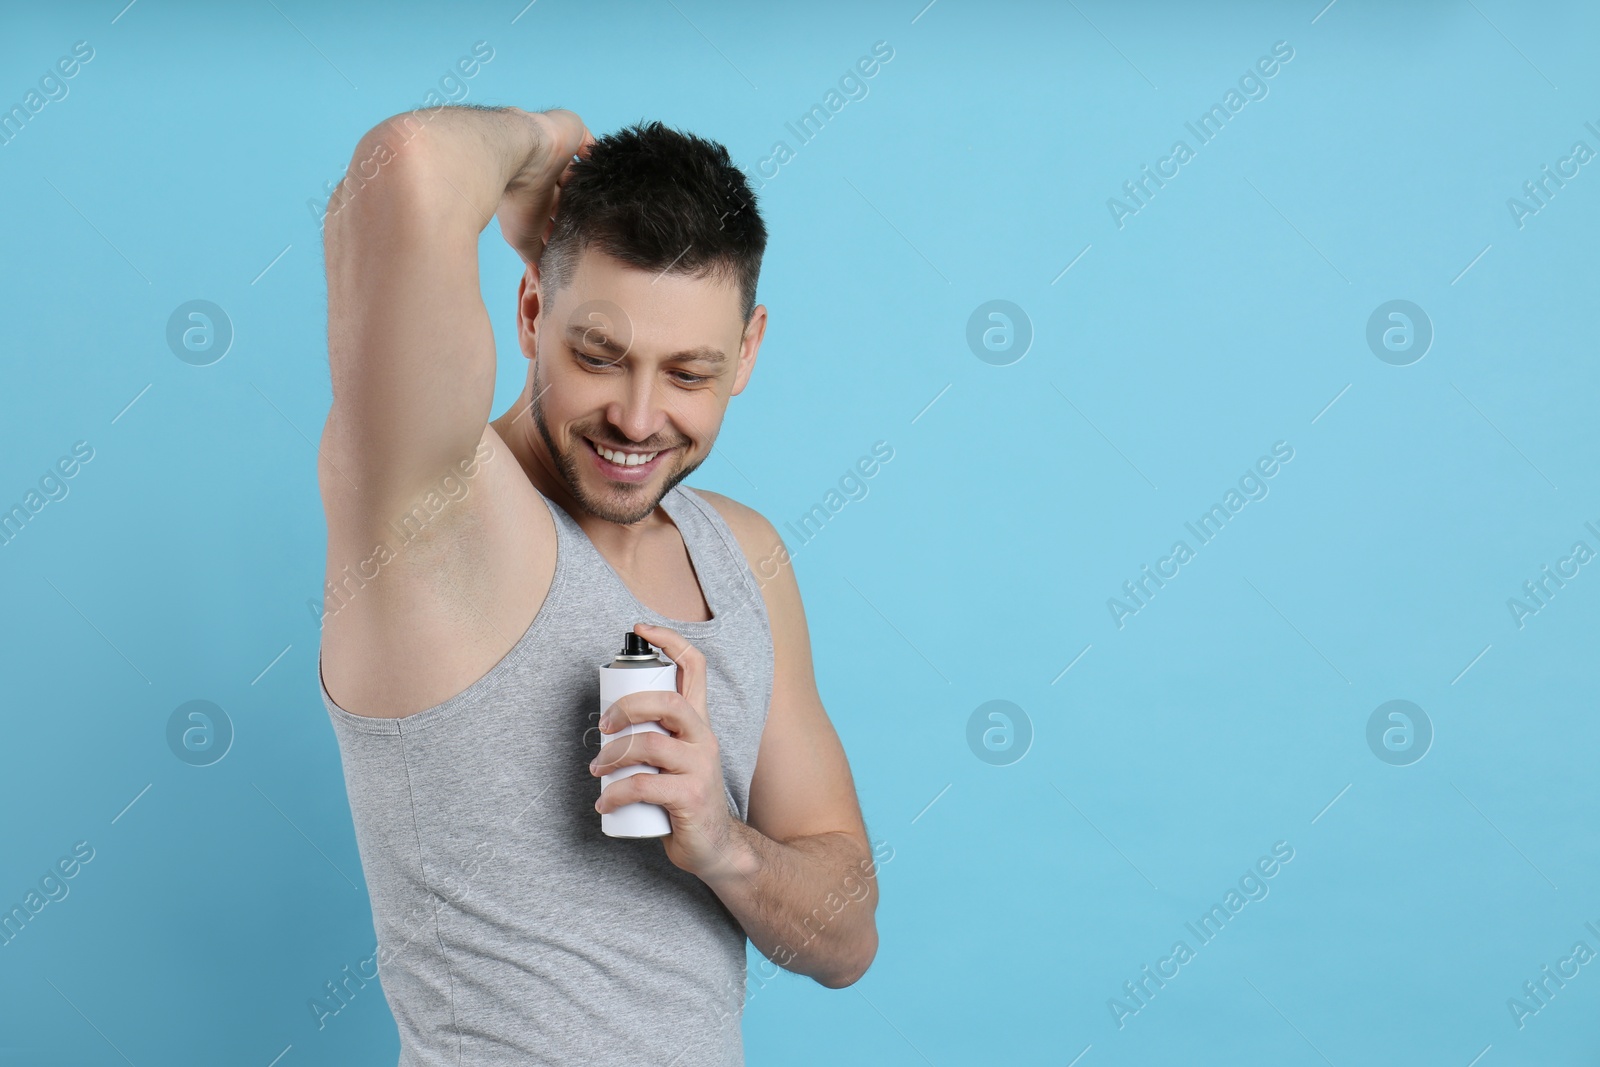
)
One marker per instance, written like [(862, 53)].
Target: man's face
[(628, 387)]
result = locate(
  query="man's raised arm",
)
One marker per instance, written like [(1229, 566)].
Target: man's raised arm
[(410, 346)]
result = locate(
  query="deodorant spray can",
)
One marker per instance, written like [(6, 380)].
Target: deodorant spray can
[(636, 669)]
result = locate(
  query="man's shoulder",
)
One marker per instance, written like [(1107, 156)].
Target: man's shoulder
[(747, 524), (763, 547), (735, 514)]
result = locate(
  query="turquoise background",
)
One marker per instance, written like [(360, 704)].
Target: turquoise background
[(1230, 313)]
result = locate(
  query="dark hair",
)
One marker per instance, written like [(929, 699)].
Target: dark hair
[(657, 198)]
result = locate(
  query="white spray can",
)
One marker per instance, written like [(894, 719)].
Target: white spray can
[(636, 669)]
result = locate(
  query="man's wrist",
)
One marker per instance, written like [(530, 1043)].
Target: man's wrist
[(516, 137), (531, 136), (740, 854)]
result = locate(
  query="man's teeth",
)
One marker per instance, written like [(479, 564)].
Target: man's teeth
[(625, 459)]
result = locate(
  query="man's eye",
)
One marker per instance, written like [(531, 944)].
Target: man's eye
[(605, 362)]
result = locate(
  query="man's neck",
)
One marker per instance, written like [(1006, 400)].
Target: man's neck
[(617, 542)]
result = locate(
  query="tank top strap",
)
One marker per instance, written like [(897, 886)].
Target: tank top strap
[(719, 560)]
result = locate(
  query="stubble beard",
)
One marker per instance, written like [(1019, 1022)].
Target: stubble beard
[(628, 505)]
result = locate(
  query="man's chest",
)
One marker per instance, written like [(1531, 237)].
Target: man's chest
[(663, 579)]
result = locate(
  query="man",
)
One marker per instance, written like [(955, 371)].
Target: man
[(510, 929)]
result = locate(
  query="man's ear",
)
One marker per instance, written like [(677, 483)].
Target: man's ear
[(749, 345), (529, 302)]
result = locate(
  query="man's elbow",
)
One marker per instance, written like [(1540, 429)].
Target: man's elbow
[(373, 179), (858, 965)]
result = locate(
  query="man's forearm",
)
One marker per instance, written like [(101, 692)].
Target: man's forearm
[(468, 157), (809, 906)]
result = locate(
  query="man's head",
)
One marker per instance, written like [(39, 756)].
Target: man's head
[(649, 277)]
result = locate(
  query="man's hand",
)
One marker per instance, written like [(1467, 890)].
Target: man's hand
[(690, 785), (527, 211)]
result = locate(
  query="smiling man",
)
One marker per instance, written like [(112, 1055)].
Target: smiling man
[(458, 665)]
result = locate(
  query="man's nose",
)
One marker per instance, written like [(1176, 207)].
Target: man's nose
[(637, 414)]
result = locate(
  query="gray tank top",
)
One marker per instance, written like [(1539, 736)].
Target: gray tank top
[(509, 928)]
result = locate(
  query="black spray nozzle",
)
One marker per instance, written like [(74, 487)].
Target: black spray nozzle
[(634, 645)]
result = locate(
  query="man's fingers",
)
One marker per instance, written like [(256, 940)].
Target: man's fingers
[(647, 747), (636, 788), (680, 794), (572, 135), (674, 644), (690, 660), (582, 153), (549, 223), (654, 706)]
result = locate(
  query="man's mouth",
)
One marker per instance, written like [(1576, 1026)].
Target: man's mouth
[(621, 465)]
